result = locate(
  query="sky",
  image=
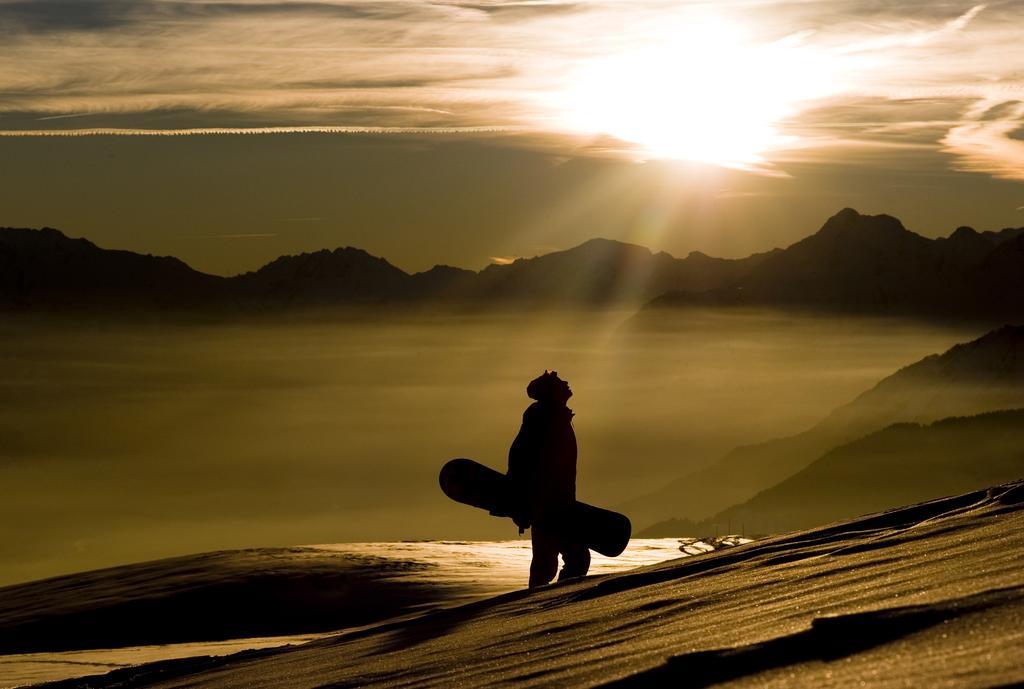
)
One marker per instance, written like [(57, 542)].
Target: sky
[(229, 132)]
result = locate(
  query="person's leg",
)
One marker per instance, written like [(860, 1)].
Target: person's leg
[(577, 561), (545, 555)]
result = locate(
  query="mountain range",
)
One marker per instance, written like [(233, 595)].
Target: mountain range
[(905, 462), (855, 262), (46, 270), (872, 264), (984, 375)]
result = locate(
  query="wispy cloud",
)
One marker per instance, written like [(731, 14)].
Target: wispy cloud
[(146, 67), (990, 141), (519, 11), (44, 16), (63, 117), (253, 131), (241, 235), (905, 37)]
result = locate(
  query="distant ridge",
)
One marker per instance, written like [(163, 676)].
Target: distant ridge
[(872, 264), (45, 270), (322, 277), (983, 375), (902, 463), (854, 263)]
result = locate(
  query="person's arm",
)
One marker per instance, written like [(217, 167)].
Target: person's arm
[(522, 474), (573, 455)]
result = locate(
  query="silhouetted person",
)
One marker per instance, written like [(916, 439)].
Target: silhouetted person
[(542, 471)]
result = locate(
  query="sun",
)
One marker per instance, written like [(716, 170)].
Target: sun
[(703, 91)]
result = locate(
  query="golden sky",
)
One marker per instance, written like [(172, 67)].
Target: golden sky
[(698, 115)]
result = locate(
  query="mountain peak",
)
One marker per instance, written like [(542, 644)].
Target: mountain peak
[(963, 232), (849, 220), (603, 244), (846, 214)]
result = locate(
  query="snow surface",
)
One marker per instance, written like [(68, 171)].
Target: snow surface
[(24, 669), (427, 574), (930, 595)]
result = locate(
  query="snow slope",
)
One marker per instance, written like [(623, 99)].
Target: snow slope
[(928, 595), (236, 594)]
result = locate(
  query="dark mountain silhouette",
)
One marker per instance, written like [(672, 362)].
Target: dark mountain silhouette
[(902, 463), (998, 281), (602, 271), (441, 282), (858, 263), (986, 374), (872, 264), (346, 276), (43, 269), (323, 278)]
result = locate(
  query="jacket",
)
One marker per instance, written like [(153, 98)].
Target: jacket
[(542, 464)]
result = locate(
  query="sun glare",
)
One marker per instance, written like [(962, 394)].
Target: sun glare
[(703, 91)]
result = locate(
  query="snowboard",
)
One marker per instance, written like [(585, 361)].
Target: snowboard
[(474, 484)]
